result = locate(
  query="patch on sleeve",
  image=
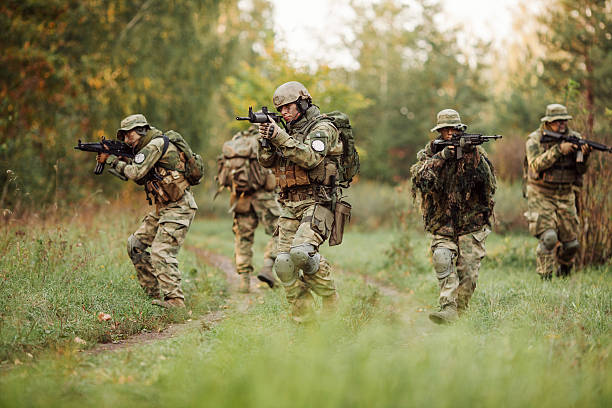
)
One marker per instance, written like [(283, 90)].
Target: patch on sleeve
[(139, 158), (318, 145)]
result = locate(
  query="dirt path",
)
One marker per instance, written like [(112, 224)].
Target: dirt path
[(411, 312), (236, 301)]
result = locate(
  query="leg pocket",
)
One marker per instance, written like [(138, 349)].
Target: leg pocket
[(322, 220)]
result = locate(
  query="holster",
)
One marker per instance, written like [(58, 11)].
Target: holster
[(342, 216)]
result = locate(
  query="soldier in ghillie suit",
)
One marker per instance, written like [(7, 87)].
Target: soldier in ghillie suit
[(303, 162), (252, 201), (154, 247), (554, 172), (457, 205)]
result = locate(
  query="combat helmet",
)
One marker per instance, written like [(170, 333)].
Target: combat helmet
[(449, 118), (555, 111), (290, 92), (131, 122)]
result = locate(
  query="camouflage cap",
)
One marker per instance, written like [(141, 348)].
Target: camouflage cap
[(130, 123), (448, 118), (555, 111), (289, 92)]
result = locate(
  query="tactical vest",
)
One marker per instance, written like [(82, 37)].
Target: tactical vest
[(166, 181), (289, 175), (563, 172)]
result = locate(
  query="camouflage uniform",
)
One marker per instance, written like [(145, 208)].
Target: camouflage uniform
[(154, 247), (457, 204), (302, 162), (552, 179), (257, 204)]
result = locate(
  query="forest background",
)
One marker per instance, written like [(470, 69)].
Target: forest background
[(72, 69)]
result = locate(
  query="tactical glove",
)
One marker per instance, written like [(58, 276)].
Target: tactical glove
[(447, 153), (268, 130)]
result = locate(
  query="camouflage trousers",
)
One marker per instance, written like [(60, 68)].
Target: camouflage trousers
[(155, 245), (294, 227), (468, 251), (265, 211), (557, 212)]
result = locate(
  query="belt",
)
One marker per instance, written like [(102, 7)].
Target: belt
[(559, 188), (296, 195)]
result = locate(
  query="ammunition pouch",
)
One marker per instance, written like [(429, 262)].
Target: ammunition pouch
[(170, 188), (342, 216)]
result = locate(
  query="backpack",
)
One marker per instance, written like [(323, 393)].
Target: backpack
[(348, 166), (194, 165), (237, 166)]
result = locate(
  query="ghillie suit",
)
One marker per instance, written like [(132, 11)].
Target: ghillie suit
[(456, 199)]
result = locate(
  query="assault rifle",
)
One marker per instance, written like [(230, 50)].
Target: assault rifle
[(550, 136), (114, 147), (121, 149), (263, 117), (461, 141)]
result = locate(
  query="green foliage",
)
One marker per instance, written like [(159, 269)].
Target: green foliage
[(409, 72)]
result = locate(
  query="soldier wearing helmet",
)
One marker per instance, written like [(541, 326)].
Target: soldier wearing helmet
[(554, 173), (306, 172), (457, 205), (154, 247)]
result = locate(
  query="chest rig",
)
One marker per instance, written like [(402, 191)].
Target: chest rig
[(564, 171), (289, 175), (165, 182)]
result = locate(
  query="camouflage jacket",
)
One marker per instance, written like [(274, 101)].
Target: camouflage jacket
[(148, 156), (302, 156), (456, 195), (545, 165)]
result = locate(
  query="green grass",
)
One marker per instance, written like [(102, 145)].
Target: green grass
[(524, 342), (55, 280)]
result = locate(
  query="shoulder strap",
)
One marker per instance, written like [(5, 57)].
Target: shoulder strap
[(166, 144)]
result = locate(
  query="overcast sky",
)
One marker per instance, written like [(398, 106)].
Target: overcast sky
[(303, 26)]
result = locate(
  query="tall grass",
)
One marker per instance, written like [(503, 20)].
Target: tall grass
[(56, 276)]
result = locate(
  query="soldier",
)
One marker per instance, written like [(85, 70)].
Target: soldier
[(252, 201), (554, 171), (457, 205), (162, 231), (305, 169)]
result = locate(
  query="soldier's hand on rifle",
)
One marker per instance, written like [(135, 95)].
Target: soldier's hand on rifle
[(586, 149), (448, 152), (268, 130), (567, 148), (101, 157)]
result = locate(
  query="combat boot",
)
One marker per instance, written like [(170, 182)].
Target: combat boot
[(266, 274), (564, 271), (447, 315), (245, 283), (169, 303)]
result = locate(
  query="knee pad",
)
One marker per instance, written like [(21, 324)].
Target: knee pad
[(285, 269), (135, 248), (443, 262), (306, 258), (549, 239)]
